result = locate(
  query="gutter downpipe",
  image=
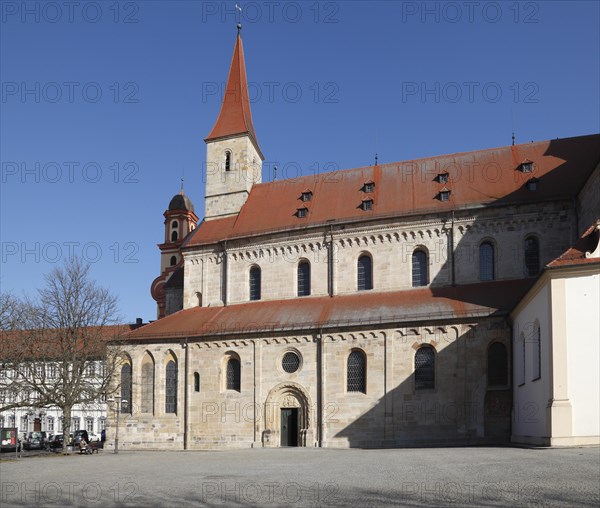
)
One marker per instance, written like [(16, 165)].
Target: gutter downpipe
[(452, 250), (320, 388), (185, 395), (224, 281), (330, 262), (254, 390)]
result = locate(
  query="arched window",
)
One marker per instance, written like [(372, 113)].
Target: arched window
[(536, 354), (304, 278), (356, 372), (233, 374), (173, 260), (497, 365), (174, 236), (425, 368), (365, 273), (419, 269), (126, 388), (171, 387), (148, 386), (227, 160), (196, 382), (532, 256), (486, 261), (174, 224), (255, 283)]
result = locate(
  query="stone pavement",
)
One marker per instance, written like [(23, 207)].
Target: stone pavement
[(297, 477)]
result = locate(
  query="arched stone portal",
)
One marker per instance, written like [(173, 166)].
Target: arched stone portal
[(288, 405)]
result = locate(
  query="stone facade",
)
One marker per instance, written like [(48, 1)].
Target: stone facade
[(228, 188), (390, 412), (389, 243)]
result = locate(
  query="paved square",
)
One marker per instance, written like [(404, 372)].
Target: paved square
[(308, 477)]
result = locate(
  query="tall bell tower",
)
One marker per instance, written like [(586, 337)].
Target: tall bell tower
[(233, 157)]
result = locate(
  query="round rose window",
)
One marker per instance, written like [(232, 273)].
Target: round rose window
[(290, 362)]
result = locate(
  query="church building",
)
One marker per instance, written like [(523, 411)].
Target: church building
[(451, 300)]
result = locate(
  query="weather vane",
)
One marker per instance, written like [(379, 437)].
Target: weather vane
[(239, 17)]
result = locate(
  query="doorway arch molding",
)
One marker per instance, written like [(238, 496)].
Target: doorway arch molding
[(282, 396)]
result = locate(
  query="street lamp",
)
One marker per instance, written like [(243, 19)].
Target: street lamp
[(119, 405)]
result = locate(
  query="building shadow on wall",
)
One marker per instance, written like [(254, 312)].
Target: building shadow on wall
[(471, 402)]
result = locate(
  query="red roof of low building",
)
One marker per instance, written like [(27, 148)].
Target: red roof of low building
[(235, 116), (50, 343), (362, 309), (481, 178), (577, 254)]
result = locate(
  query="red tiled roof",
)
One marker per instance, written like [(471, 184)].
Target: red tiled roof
[(576, 255), (49, 343), (485, 177), (235, 116), (366, 308)]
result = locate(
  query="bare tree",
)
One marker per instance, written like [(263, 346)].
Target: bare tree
[(10, 311), (54, 351)]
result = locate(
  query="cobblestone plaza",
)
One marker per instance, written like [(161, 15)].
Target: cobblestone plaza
[(307, 477)]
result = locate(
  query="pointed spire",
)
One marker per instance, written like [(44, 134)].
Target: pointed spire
[(235, 116), (181, 191)]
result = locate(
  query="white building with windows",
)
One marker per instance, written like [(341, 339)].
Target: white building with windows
[(378, 306), (29, 417), (32, 377)]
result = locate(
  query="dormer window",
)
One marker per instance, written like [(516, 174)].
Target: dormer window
[(444, 195), (443, 177), (369, 187), (306, 196), (367, 205), (227, 160), (526, 166), (302, 213), (532, 184)]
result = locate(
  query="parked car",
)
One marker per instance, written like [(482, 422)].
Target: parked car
[(36, 440), (57, 441), (79, 435), (94, 438)]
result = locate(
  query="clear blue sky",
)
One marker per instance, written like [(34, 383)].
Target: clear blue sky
[(105, 105)]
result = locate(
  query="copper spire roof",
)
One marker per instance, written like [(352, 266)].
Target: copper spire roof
[(235, 116)]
